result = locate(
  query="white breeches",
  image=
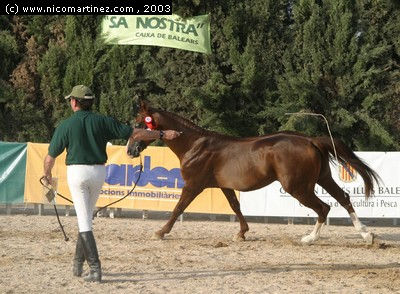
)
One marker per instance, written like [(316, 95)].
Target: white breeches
[(85, 182)]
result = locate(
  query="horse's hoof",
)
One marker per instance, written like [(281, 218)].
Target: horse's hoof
[(307, 240), (239, 238), (369, 238), (157, 236)]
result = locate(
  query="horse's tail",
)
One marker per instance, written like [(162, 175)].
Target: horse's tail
[(346, 155)]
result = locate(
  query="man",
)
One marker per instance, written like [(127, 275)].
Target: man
[(85, 135)]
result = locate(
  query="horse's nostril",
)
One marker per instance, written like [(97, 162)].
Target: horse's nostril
[(136, 148), (131, 151)]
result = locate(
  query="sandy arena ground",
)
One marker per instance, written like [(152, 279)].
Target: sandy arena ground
[(197, 257)]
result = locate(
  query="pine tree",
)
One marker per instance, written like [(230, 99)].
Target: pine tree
[(339, 58), (337, 69), (9, 58), (242, 80), (25, 107), (378, 75)]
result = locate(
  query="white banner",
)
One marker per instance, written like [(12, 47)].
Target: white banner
[(274, 201), (191, 34)]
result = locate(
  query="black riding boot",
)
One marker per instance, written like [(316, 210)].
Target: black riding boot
[(79, 258), (92, 257)]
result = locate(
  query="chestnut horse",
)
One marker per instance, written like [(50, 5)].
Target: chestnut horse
[(298, 162)]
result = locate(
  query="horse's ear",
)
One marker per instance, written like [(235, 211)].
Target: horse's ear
[(143, 106)]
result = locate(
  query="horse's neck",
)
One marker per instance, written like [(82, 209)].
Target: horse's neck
[(184, 142), (190, 132)]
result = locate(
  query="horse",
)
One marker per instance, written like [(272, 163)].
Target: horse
[(212, 160)]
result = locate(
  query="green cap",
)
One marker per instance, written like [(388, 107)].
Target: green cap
[(81, 92)]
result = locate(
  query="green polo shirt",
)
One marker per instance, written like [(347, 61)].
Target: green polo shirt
[(85, 135)]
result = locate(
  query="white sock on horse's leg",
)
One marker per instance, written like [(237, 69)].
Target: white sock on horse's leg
[(314, 236), (361, 228)]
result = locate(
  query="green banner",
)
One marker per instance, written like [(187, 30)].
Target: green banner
[(12, 172), (191, 34)]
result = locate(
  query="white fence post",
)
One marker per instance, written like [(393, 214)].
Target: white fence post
[(8, 209), (67, 207)]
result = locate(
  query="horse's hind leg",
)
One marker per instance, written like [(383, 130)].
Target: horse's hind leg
[(344, 199), (235, 205), (186, 198), (321, 208)]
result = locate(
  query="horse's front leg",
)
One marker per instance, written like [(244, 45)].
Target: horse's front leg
[(187, 196), (235, 205)]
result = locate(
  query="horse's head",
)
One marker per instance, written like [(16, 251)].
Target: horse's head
[(144, 119), (134, 148)]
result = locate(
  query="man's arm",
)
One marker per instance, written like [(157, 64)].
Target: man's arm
[(48, 166), (145, 135)]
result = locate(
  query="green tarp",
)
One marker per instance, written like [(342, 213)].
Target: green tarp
[(12, 172)]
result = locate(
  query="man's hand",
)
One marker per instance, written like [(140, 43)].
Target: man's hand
[(146, 135), (171, 134), (48, 179)]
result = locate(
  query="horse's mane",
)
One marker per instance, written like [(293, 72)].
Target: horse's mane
[(190, 125), (203, 132)]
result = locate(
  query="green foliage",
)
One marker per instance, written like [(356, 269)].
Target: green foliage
[(339, 67), (9, 54), (119, 81), (23, 121), (339, 58), (52, 70)]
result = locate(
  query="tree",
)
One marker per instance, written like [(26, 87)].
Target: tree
[(378, 69), (9, 58), (339, 58), (242, 73), (335, 68)]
